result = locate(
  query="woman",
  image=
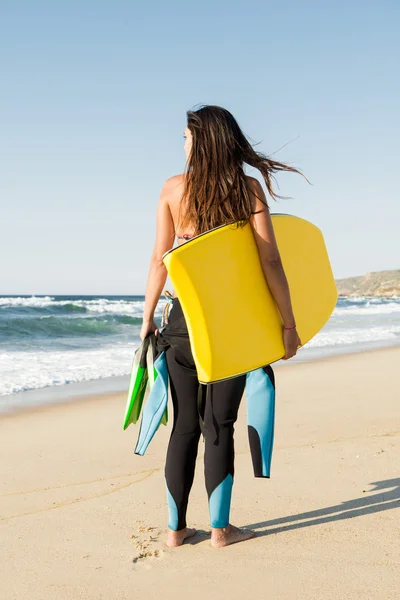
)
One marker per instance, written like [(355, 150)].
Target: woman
[(212, 191)]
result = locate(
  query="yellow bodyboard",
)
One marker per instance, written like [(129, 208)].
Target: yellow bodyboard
[(233, 322)]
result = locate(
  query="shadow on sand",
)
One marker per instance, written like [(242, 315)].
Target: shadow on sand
[(388, 498)]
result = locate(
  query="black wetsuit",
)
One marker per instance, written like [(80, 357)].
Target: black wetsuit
[(211, 409)]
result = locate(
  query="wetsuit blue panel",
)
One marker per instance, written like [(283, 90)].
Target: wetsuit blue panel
[(220, 503), (260, 397), (155, 406), (173, 519)]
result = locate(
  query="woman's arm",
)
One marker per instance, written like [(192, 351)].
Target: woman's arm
[(157, 276), (272, 265)]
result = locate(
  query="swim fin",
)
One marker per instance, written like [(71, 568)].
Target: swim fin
[(153, 372), (138, 383), (143, 376), (155, 409)]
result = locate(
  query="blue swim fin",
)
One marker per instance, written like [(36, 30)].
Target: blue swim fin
[(155, 409), (260, 399)]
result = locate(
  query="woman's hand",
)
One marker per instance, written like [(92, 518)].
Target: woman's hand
[(148, 327), (291, 342)]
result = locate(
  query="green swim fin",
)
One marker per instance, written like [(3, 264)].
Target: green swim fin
[(138, 383), (143, 376)]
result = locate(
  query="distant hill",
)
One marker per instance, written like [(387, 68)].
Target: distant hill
[(381, 283)]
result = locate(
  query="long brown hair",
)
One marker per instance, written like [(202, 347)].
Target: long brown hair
[(216, 191)]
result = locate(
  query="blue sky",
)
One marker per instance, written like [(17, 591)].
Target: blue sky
[(93, 101)]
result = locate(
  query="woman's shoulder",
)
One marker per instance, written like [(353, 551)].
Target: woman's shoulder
[(172, 188), (172, 193), (256, 188), (253, 183), (175, 181)]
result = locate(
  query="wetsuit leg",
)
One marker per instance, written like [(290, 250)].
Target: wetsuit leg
[(219, 410), (220, 413), (183, 444)]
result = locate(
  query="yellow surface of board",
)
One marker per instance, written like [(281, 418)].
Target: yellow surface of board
[(233, 322)]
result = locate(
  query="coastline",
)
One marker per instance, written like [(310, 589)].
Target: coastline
[(13, 404), (87, 518), (58, 347)]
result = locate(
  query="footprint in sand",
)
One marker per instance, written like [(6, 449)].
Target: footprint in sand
[(147, 545)]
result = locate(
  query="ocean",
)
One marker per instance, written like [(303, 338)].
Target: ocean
[(52, 341)]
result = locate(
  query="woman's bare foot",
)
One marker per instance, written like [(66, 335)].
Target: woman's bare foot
[(225, 536), (176, 538)]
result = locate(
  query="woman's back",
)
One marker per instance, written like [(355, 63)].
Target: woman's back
[(174, 201)]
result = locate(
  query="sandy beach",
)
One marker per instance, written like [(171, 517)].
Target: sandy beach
[(82, 517)]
